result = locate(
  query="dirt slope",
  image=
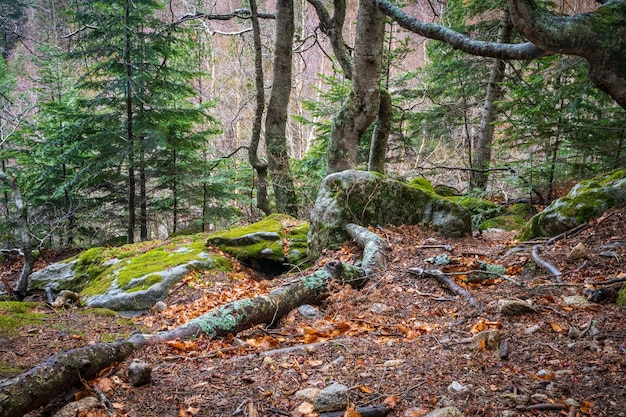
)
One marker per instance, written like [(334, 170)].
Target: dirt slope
[(403, 338)]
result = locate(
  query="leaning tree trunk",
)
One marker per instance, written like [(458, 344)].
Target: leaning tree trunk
[(60, 372), (22, 222), (362, 106), (482, 148), (277, 112)]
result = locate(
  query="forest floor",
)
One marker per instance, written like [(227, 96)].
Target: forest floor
[(402, 340)]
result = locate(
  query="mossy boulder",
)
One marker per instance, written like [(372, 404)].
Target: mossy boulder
[(129, 277), (371, 199), (272, 245), (586, 200)]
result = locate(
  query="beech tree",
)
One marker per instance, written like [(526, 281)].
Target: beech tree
[(598, 36)]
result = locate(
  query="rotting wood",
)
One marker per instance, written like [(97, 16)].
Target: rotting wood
[(51, 378), (448, 283)]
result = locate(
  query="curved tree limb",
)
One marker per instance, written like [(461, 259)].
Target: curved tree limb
[(448, 283), (458, 40), (60, 372)]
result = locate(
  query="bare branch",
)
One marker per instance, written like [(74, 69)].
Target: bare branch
[(237, 13), (457, 40)]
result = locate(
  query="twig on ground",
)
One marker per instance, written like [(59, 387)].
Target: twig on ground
[(534, 253), (446, 282)]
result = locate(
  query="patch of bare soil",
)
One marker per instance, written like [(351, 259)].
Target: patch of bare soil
[(403, 339)]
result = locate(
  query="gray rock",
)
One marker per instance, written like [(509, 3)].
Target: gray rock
[(309, 311), (457, 388), (371, 199), (515, 307), (139, 373), (333, 397), (586, 200), (445, 412), (72, 409), (53, 276)]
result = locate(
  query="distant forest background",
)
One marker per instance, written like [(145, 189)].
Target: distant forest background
[(64, 114)]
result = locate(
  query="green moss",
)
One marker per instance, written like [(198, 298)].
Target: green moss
[(13, 307), (144, 284), (100, 312), (9, 371), (15, 315), (112, 337), (510, 222), (621, 296), (422, 184), (523, 209)]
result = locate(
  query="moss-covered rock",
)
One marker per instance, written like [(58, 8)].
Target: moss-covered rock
[(272, 245), (586, 200), (368, 198), (129, 277)]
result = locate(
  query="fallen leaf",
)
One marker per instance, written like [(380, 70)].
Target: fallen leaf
[(556, 327), (351, 412), (391, 401), (366, 389)]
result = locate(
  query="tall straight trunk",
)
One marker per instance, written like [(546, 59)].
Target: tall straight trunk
[(362, 106), (130, 238), (175, 194), (143, 200), (277, 112), (481, 159), (260, 167)]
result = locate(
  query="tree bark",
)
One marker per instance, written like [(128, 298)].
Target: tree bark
[(482, 149), (22, 221), (380, 137), (60, 372), (259, 166), (277, 112), (130, 238), (362, 106), (598, 36)]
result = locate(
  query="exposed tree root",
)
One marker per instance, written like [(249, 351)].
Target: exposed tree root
[(542, 263), (60, 372)]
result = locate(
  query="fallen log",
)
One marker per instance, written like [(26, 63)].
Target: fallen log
[(58, 373)]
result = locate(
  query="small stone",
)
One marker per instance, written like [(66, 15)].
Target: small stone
[(379, 308), (515, 307), (570, 402), (532, 329), (393, 362), (507, 413), (139, 373), (159, 306), (268, 361), (488, 339), (578, 252), (576, 301), (333, 397), (307, 394), (75, 407), (308, 311), (457, 388), (446, 412)]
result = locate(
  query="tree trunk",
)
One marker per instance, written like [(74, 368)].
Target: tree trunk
[(129, 131), (60, 372), (262, 202), (143, 199), (22, 221), (362, 106), (380, 137), (277, 112), (482, 148)]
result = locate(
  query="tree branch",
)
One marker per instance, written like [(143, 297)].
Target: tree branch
[(459, 41)]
